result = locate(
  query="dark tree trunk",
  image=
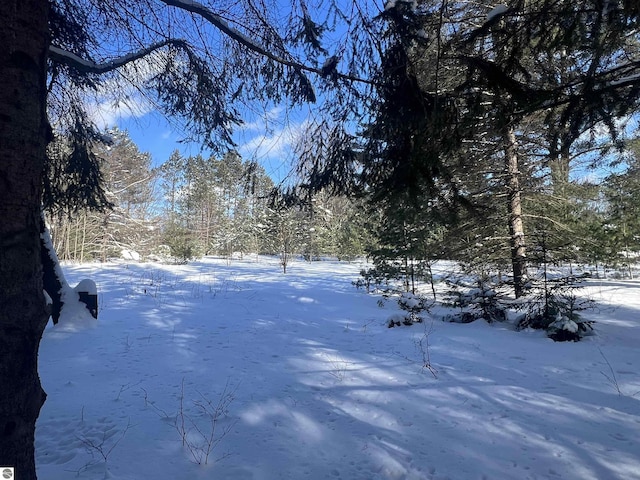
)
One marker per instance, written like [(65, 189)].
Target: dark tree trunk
[(23, 312)]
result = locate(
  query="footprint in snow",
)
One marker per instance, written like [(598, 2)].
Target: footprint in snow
[(58, 444)]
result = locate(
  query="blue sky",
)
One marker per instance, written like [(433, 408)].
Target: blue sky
[(267, 137)]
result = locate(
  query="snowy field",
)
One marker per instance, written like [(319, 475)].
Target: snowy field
[(298, 377)]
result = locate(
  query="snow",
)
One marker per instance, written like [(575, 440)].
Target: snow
[(564, 323), (391, 4), (127, 254), (302, 379), (410, 301), (87, 286), (74, 314), (220, 23), (63, 56), (48, 244), (498, 10), (72, 57), (329, 62)]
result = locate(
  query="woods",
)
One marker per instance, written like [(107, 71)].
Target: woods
[(188, 207), (501, 136)]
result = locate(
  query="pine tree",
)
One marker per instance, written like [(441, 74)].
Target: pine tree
[(285, 231), (572, 65), (87, 232), (622, 197)]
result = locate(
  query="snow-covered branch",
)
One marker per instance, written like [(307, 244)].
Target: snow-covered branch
[(137, 182), (64, 57)]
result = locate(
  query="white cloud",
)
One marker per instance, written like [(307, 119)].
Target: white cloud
[(262, 122), (273, 148), (277, 144), (119, 97), (106, 113)]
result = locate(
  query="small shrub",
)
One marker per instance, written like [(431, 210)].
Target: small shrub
[(412, 306), (554, 307), (475, 301), (371, 279), (563, 329), (183, 247)]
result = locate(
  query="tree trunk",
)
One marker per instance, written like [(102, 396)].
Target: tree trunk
[(23, 313), (516, 227)]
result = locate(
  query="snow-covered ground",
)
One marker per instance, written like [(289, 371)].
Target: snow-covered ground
[(298, 377)]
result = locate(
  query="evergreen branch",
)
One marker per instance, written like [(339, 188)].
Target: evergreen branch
[(236, 35), (557, 223), (612, 80), (233, 33), (83, 65)]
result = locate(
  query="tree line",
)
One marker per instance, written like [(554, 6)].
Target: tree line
[(193, 206), (190, 206)]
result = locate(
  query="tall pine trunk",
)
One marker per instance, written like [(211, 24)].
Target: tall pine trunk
[(23, 312), (516, 226)]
